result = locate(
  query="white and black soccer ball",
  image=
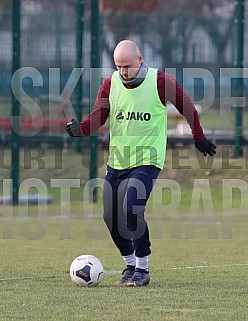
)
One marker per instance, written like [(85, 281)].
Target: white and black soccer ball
[(86, 270)]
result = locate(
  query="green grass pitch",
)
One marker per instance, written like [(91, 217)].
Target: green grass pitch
[(36, 255), (198, 263)]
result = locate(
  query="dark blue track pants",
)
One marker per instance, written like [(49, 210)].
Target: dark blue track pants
[(125, 194)]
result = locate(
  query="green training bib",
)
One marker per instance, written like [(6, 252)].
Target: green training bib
[(138, 124)]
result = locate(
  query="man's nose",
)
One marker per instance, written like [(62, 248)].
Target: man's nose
[(124, 71)]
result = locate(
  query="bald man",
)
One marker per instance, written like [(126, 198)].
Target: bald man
[(128, 60), (134, 99)]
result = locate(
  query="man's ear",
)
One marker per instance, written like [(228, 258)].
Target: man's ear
[(140, 59)]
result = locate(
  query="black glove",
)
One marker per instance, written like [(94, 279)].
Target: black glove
[(206, 147), (73, 128)]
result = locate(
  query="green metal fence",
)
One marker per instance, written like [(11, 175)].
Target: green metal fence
[(49, 42)]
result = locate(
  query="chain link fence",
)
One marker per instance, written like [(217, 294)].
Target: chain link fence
[(48, 47), (166, 41), (172, 42)]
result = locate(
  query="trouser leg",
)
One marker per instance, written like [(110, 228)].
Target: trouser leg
[(113, 196), (124, 198), (139, 187)]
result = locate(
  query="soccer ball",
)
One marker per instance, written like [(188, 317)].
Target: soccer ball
[(86, 270)]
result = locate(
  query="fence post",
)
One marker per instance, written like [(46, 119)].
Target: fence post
[(15, 138), (95, 63), (79, 63), (239, 20)]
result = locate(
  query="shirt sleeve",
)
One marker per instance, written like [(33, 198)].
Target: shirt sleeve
[(170, 90), (100, 111)]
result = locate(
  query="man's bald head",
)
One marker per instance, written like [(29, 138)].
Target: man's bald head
[(126, 48), (128, 59)]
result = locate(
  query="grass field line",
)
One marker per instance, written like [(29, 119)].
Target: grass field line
[(208, 266), (33, 278), (51, 276), (117, 272)]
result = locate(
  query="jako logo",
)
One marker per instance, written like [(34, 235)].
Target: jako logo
[(120, 116), (133, 116)]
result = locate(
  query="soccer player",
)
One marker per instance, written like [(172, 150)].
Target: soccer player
[(134, 98)]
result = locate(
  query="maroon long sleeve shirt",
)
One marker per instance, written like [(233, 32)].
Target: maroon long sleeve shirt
[(168, 90)]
